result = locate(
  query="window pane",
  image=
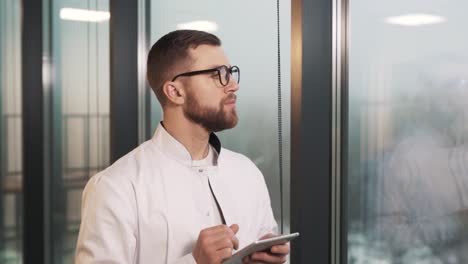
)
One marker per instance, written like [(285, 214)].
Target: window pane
[(252, 44), (80, 112), (407, 159), (10, 133)]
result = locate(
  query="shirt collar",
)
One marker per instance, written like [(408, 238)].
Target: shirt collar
[(173, 148)]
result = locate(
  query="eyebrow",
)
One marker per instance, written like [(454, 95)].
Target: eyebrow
[(219, 65)]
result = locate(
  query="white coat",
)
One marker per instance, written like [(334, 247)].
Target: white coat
[(148, 208)]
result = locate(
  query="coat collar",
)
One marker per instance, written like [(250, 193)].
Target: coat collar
[(176, 150)]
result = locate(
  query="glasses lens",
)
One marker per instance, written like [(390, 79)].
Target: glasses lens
[(235, 72), (223, 75)]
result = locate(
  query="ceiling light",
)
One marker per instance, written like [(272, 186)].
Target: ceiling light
[(83, 15), (415, 20), (202, 25)]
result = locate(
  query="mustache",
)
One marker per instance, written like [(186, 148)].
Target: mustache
[(230, 97)]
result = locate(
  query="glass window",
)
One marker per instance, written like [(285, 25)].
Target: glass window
[(10, 133), (80, 112), (407, 157), (252, 44)]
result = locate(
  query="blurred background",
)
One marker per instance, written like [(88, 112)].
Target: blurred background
[(407, 145)]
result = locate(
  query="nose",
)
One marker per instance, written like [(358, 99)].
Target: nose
[(232, 86)]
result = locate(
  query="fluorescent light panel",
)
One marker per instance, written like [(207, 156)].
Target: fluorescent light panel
[(415, 20), (202, 25), (84, 15)]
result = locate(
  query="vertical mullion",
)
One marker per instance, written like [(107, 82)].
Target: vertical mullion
[(344, 88), (339, 131), (48, 136), (296, 115), (32, 124), (124, 77), (57, 125), (2, 141), (148, 130), (144, 109), (311, 130)]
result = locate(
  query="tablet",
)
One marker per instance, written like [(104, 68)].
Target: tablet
[(259, 245)]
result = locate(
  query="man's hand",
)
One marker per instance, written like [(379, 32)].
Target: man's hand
[(275, 255), (215, 244)]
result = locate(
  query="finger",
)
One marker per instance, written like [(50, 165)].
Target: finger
[(214, 233), (208, 239), (215, 229), (235, 242), (224, 230), (270, 235), (231, 236), (223, 242), (248, 260), (208, 232), (231, 232), (269, 258), (234, 228), (224, 253), (280, 249)]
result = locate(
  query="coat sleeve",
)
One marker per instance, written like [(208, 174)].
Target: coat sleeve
[(266, 220), (108, 228)]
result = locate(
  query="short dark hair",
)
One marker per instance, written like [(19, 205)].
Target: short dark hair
[(170, 53)]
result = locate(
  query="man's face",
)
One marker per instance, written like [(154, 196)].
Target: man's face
[(208, 103)]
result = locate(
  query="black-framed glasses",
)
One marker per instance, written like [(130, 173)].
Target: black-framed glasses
[(224, 74)]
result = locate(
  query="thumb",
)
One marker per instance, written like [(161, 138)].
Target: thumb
[(234, 228)]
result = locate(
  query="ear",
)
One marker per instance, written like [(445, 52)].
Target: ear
[(174, 92)]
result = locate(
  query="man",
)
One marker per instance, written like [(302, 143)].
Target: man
[(180, 197)]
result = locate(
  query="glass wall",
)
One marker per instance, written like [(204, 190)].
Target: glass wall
[(80, 111), (408, 113), (249, 34), (10, 133), (77, 99)]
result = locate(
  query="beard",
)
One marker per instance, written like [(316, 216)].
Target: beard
[(212, 119)]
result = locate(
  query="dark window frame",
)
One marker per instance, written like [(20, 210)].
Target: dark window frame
[(312, 134), (124, 78), (34, 237)]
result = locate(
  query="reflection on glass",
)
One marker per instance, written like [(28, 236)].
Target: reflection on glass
[(408, 127), (252, 44), (80, 122), (10, 133)]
